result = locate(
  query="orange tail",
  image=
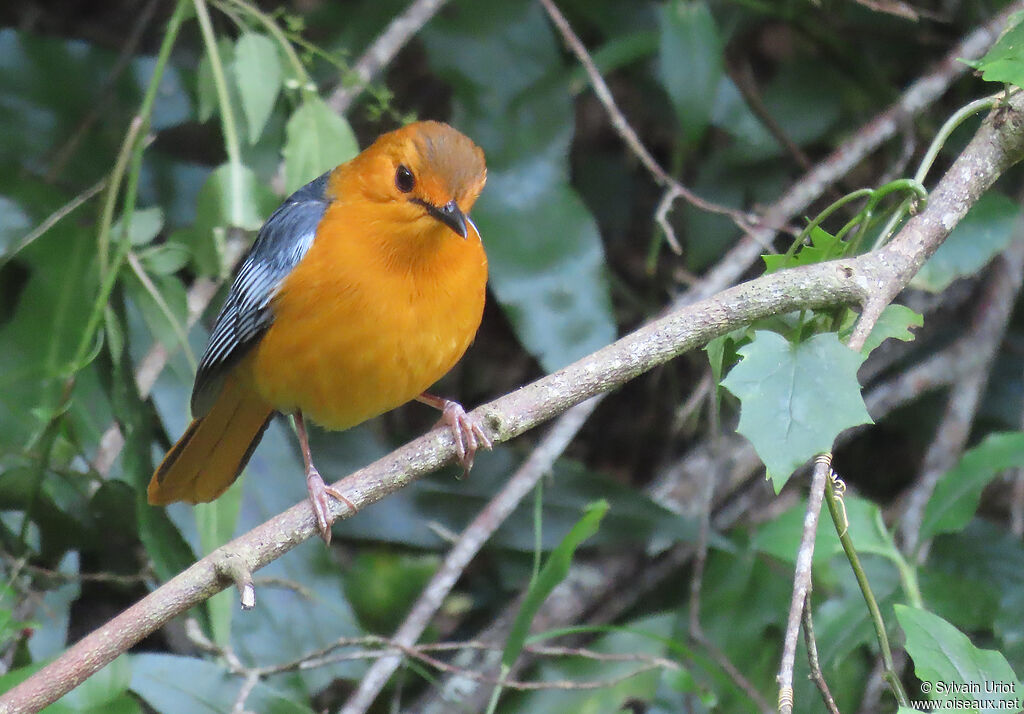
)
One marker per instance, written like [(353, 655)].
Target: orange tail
[(213, 450)]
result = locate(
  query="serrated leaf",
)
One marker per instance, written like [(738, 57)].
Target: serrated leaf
[(952, 668), (1004, 62), (258, 74), (556, 567), (823, 246), (983, 233), (795, 399), (317, 139), (690, 63), (957, 493), (895, 322)]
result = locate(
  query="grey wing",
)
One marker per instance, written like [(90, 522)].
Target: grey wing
[(280, 245)]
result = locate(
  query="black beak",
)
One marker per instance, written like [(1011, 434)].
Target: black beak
[(449, 214)]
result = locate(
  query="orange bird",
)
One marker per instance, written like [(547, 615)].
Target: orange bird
[(362, 289)]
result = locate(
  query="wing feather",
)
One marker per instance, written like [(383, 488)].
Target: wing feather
[(280, 245)]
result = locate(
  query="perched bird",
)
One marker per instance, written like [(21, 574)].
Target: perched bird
[(362, 289)]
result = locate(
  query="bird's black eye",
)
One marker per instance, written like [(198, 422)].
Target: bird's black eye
[(404, 179)]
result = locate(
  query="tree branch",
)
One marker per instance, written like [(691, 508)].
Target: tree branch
[(870, 280)]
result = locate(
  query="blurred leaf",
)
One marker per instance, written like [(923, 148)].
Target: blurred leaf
[(165, 259), (956, 495), (983, 233), (50, 631), (14, 224), (172, 683), (102, 692), (258, 76), (216, 522), (548, 271), (206, 90), (218, 209), (546, 258), (382, 586), (317, 141), (145, 225), (1004, 61), (645, 687), (555, 568), (780, 537), (690, 62), (895, 322), (795, 398), (944, 657), (302, 606)]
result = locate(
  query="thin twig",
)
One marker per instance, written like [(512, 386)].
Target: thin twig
[(468, 545), (802, 580), (812, 660), (673, 189), (988, 327), (996, 146), (382, 51)]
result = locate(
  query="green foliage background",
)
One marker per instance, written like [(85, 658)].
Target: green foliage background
[(576, 260)]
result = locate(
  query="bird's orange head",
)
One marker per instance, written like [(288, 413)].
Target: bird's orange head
[(425, 176)]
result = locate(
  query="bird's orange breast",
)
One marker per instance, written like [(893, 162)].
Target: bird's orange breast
[(372, 316)]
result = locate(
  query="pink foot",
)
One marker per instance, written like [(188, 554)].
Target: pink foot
[(467, 431), (318, 495)]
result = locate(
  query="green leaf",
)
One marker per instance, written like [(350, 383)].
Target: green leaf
[(216, 523), (780, 537), (317, 140), (690, 63), (556, 567), (1004, 62), (983, 233), (951, 668), (553, 291), (381, 586), (258, 76), (165, 259), (795, 399), (544, 249), (895, 322), (231, 196), (206, 90), (824, 246), (172, 683), (957, 493)]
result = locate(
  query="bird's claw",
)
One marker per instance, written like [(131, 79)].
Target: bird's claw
[(467, 431), (318, 494)]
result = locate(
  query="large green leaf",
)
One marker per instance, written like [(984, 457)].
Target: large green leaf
[(1004, 61), (546, 257), (795, 399), (982, 234), (554, 571), (957, 493), (257, 70), (951, 668), (690, 63), (317, 140), (173, 683)]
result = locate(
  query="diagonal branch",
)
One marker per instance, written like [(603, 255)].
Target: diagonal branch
[(870, 280)]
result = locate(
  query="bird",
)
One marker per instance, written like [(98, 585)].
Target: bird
[(361, 290)]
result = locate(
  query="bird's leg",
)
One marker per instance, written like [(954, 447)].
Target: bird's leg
[(469, 434), (318, 490)]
